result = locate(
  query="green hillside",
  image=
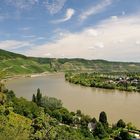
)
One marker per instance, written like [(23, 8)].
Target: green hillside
[(9, 55), (13, 64)]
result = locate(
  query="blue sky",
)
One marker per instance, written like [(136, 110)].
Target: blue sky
[(91, 29)]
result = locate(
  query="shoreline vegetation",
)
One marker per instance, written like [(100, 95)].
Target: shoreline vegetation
[(119, 81), (45, 118)]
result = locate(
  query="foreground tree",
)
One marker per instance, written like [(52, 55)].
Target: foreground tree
[(121, 123), (103, 119), (100, 131), (38, 97), (124, 135), (34, 98)]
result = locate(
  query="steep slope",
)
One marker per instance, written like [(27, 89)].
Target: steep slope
[(9, 55), (13, 64)]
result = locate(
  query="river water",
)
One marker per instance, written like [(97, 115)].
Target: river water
[(91, 101)]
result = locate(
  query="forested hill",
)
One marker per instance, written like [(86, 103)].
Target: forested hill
[(12, 63)]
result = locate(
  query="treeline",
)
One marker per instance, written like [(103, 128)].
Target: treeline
[(120, 81), (44, 118)]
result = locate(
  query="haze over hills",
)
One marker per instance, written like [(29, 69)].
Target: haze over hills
[(13, 64)]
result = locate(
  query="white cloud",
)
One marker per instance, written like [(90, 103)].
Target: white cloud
[(48, 54), (22, 4), (114, 17), (95, 9), (99, 45), (69, 13), (137, 42), (110, 40), (92, 32), (13, 44), (54, 6)]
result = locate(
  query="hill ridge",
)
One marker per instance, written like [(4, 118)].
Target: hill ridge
[(13, 64)]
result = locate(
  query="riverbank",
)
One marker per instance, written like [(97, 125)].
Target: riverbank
[(124, 82), (8, 78)]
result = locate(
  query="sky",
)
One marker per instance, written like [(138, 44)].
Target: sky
[(90, 29)]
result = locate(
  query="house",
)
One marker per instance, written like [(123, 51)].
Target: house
[(91, 126)]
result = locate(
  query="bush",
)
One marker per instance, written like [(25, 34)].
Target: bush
[(51, 103), (121, 124), (26, 108)]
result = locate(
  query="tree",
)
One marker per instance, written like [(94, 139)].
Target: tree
[(121, 123), (2, 87), (56, 114), (25, 108), (100, 131), (124, 135), (78, 113), (85, 119), (94, 120), (103, 119), (67, 118), (130, 126), (10, 95), (51, 103), (2, 98), (38, 97), (34, 98)]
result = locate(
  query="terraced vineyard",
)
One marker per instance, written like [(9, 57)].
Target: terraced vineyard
[(14, 64)]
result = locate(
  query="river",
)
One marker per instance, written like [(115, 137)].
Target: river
[(91, 101)]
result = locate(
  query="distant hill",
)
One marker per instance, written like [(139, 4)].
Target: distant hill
[(9, 55), (13, 64)]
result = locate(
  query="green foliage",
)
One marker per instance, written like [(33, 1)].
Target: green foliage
[(2, 87), (130, 126), (25, 108), (50, 103), (100, 131), (40, 126), (13, 126), (103, 119), (94, 120), (56, 114), (34, 98), (121, 123), (45, 118), (85, 119), (38, 97), (124, 135), (10, 95), (67, 118), (120, 81), (78, 113), (2, 98)]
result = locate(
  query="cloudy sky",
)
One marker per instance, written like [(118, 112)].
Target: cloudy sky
[(91, 29)]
